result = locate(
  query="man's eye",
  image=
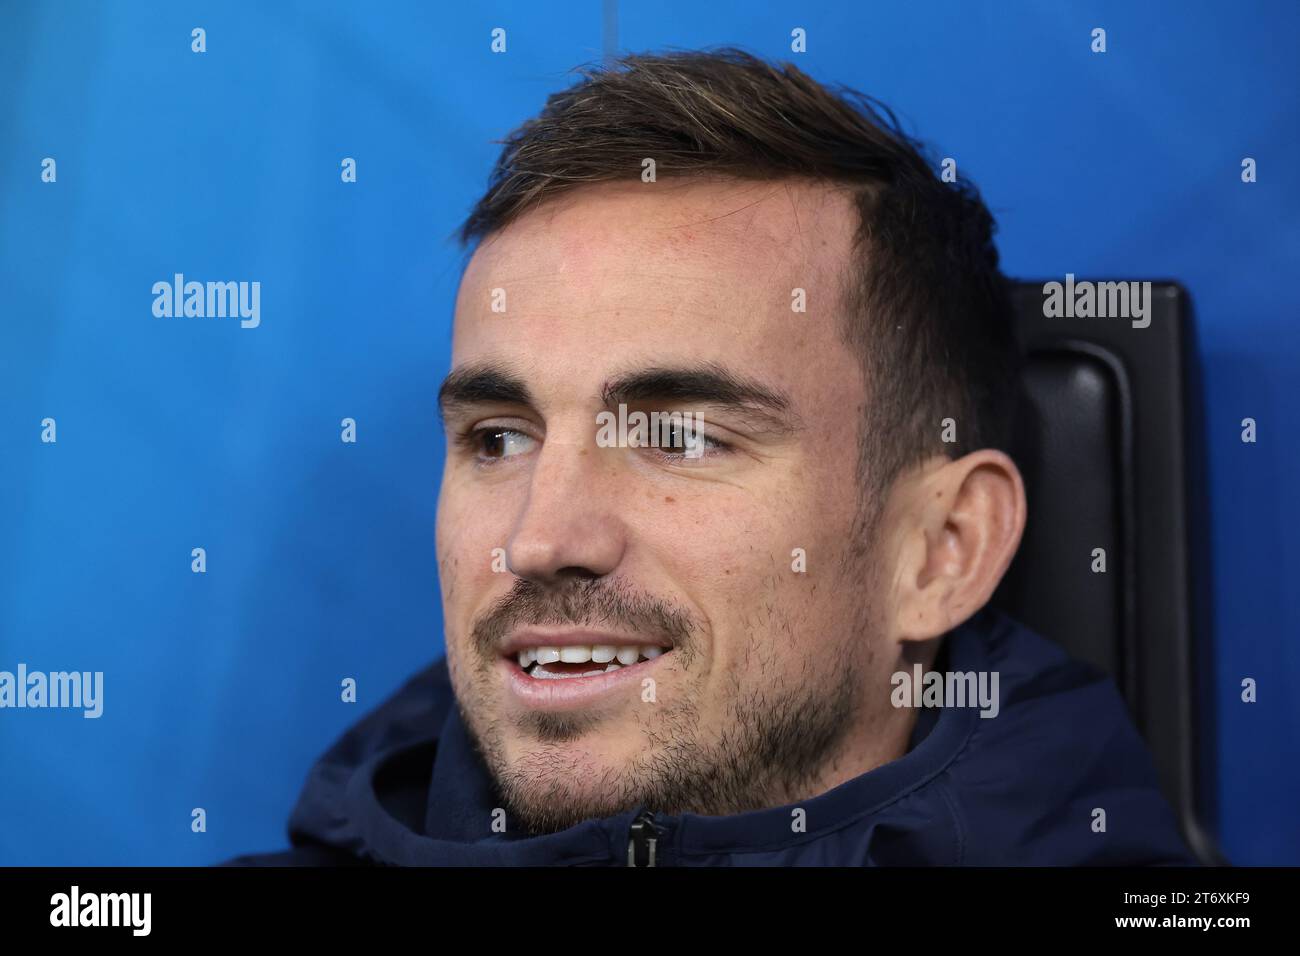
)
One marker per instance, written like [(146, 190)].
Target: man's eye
[(677, 437), (494, 443), (682, 441)]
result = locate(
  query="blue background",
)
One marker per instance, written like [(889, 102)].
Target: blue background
[(221, 688)]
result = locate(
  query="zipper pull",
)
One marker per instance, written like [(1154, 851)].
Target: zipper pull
[(643, 835)]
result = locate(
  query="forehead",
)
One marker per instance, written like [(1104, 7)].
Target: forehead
[(617, 274)]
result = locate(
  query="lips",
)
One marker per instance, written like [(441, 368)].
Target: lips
[(554, 671)]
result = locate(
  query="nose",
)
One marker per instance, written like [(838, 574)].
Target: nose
[(569, 525)]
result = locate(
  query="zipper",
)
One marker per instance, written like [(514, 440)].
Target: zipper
[(643, 839)]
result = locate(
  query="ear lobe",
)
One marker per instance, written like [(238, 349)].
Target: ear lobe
[(968, 519)]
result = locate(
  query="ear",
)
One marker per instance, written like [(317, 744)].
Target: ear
[(959, 525)]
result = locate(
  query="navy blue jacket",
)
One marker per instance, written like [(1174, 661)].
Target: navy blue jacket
[(404, 786)]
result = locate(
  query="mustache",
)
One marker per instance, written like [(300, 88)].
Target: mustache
[(592, 602)]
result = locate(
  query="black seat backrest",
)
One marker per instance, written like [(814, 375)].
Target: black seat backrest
[(1110, 444)]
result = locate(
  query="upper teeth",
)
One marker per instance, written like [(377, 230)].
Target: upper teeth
[(582, 653)]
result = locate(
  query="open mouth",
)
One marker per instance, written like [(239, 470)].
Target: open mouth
[(559, 662)]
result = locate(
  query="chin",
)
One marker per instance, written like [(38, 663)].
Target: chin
[(554, 786), (563, 745)]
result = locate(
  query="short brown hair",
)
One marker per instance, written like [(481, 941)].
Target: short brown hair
[(926, 308)]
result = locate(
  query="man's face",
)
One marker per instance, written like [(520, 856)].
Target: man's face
[(749, 662)]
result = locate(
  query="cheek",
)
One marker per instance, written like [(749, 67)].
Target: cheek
[(775, 598), (466, 543), (736, 574)]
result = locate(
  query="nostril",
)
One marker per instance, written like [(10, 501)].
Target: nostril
[(574, 572)]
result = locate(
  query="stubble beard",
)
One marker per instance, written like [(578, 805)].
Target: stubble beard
[(779, 733)]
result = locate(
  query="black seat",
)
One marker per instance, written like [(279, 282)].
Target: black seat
[(1110, 443)]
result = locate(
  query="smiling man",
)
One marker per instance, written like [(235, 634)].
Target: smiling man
[(723, 680), (690, 651)]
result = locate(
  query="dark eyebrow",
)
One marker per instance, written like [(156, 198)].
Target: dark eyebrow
[(482, 384), (708, 383)]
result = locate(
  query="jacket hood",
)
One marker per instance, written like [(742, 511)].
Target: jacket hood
[(405, 786)]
